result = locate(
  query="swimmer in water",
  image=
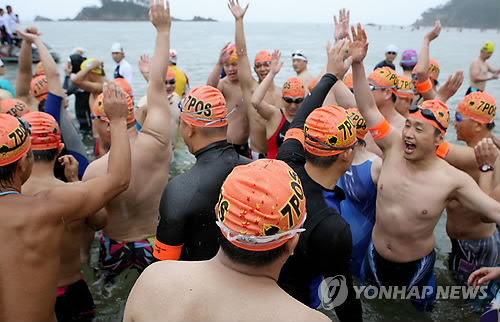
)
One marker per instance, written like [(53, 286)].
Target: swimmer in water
[(128, 237), (262, 65), (480, 68), (33, 226), (413, 188), (73, 296), (278, 121), (186, 229), (238, 127), (299, 64), (319, 147), (243, 274)]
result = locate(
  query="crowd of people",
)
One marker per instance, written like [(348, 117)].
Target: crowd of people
[(343, 174)]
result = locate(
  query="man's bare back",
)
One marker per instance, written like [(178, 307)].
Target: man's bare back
[(210, 291)]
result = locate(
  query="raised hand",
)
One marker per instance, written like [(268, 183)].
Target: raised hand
[(341, 25), (160, 15), (484, 274), (237, 11), (450, 87), (338, 60), (225, 54), (486, 152), (70, 165), (67, 68), (359, 45), (435, 31), (144, 64), (275, 62), (115, 102), (31, 34)]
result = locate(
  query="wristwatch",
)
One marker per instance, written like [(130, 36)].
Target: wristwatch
[(486, 168)]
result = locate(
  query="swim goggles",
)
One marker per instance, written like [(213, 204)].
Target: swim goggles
[(460, 118), (264, 63), (373, 87), (428, 114), (289, 100), (170, 81)]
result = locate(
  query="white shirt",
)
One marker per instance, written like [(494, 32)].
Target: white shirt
[(10, 22), (125, 70)]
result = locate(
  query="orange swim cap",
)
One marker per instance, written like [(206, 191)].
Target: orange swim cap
[(385, 77), (293, 87), (40, 87), (262, 56), (433, 69), (359, 121), (405, 87), (348, 81), (261, 205), (14, 139), (204, 106), (170, 73), (124, 85), (14, 107), (479, 106), (45, 133), (329, 131), (39, 69), (234, 55), (312, 84), (98, 109), (439, 113)]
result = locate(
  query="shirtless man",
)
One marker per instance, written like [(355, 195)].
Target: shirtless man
[(173, 98), (25, 74), (413, 188), (262, 65), (128, 237), (479, 69), (33, 226), (475, 243), (73, 296), (239, 283), (238, 127), (299, 63)]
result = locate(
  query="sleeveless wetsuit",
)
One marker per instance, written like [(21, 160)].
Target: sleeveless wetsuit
[(69, 134), (187, 207), (324, 249), (358, 209), (274, 143)]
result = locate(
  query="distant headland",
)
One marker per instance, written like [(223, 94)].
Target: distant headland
[(119, 10), (483, 14)]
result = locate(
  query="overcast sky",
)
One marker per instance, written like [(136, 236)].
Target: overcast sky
[(302, 11)]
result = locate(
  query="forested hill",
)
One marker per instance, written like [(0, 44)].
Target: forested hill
[(464, 13)]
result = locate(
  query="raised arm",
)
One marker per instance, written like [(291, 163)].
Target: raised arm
[(25, 72), (214, 77), (381, 131), (80, 79), (422, 67), (49, 65), (157, 122), (265, 109), (144, 65), (81, 200), (450, 87), (244, 70)]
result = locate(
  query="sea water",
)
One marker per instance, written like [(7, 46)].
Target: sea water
[(198, 46)]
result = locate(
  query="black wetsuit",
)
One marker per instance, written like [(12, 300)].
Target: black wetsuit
[(82, 107), (187, 207), (324, 249)]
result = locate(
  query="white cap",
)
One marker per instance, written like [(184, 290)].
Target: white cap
[(391, 48), (116, 48), (173, 56), (299, 54), (78, 50)]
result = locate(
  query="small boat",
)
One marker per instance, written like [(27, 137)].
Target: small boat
[(16, 48)]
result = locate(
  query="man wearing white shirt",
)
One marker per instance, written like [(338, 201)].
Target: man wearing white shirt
[(123, 68)]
